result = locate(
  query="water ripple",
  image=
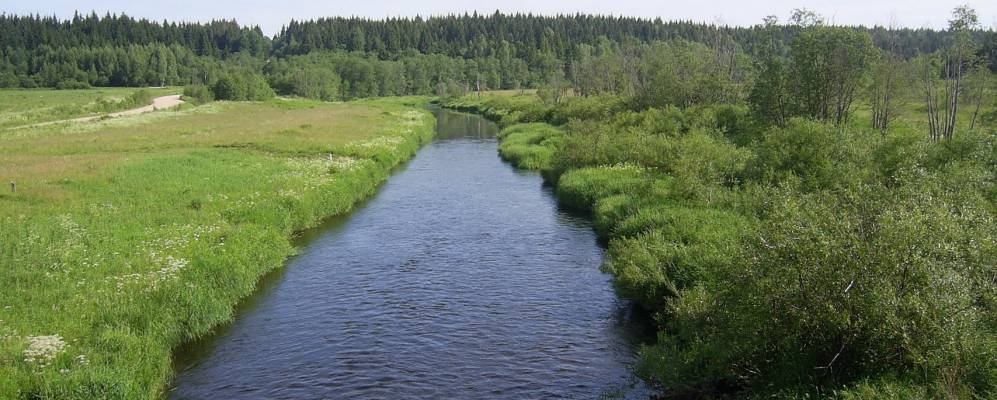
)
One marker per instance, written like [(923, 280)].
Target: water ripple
[(460, 279)]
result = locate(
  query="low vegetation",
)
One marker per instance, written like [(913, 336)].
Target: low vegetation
[(122, 239), (530, 146), (807, 209), (22, 108), (818, 252)]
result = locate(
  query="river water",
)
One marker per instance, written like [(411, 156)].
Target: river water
[(460, 279)]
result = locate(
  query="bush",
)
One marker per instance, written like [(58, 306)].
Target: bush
[(257, 88), (885, 389), (229, 88), (72, 85), (530, 146), (140, 98), (821, 155), (9, 80), (803, 261), (198, 94), (507, 110), (318, 82), (246, 86), (683, 224), (733, 121), (580, 189), (593, 143), (851, 284), (659, 250), (590, 107), (704, 163), (609, 211)]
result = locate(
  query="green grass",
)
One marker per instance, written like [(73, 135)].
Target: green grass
[(128, 237), (530, 146), (581, 189), (503, 107), (20, 107)]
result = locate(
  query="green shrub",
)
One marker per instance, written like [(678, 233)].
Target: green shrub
[(507, 110), (257, 88), (580, 189), (653, 267), (704, 163), (665, 121), (802, 261), (242, 86), (885, 389), (863, 281), (819, 154), (589, 107), (72, 85), (140, 98), (198, 94), (684, 224), (609, 211), (229, 88), (530, 146)]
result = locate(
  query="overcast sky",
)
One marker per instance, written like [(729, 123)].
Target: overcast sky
[(272, 14)]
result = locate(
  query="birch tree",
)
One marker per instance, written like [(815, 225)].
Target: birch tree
[(943, 91)]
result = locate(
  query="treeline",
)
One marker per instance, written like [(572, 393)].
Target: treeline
[(533, 36), (335, 75), (216, 38), (122, 51), (439, 55), (825, 74), (131, 65)]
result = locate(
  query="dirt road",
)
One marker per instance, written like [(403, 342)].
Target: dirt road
[(159, 103)]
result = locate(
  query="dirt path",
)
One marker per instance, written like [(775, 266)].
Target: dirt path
[(159, 103)]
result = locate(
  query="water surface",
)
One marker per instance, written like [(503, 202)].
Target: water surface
[(461, 279)]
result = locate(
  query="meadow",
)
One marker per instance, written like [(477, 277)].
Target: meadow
[(22, 108), (127, 237), (801, 261)]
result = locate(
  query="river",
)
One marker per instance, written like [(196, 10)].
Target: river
[(461, 278)]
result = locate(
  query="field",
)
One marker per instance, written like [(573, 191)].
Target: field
[(27, 107), (124, 238)]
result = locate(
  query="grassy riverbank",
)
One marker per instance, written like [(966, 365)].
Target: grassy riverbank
[(804, 261), (130, 236)]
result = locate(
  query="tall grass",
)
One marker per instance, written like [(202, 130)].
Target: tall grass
[(126, 240), (530, 146), (502, 107)]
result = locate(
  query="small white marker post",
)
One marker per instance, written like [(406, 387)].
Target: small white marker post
[(13, 187)]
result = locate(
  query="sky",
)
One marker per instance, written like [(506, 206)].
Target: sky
[(272, 14)]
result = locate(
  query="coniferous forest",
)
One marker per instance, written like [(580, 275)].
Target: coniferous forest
[(345, 58)]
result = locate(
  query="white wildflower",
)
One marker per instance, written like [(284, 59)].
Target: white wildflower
[(624, 166), (378, 142), (42, 350)]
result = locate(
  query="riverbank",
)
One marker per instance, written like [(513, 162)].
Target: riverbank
[(434, 289), (780, 261), (127, 237)]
